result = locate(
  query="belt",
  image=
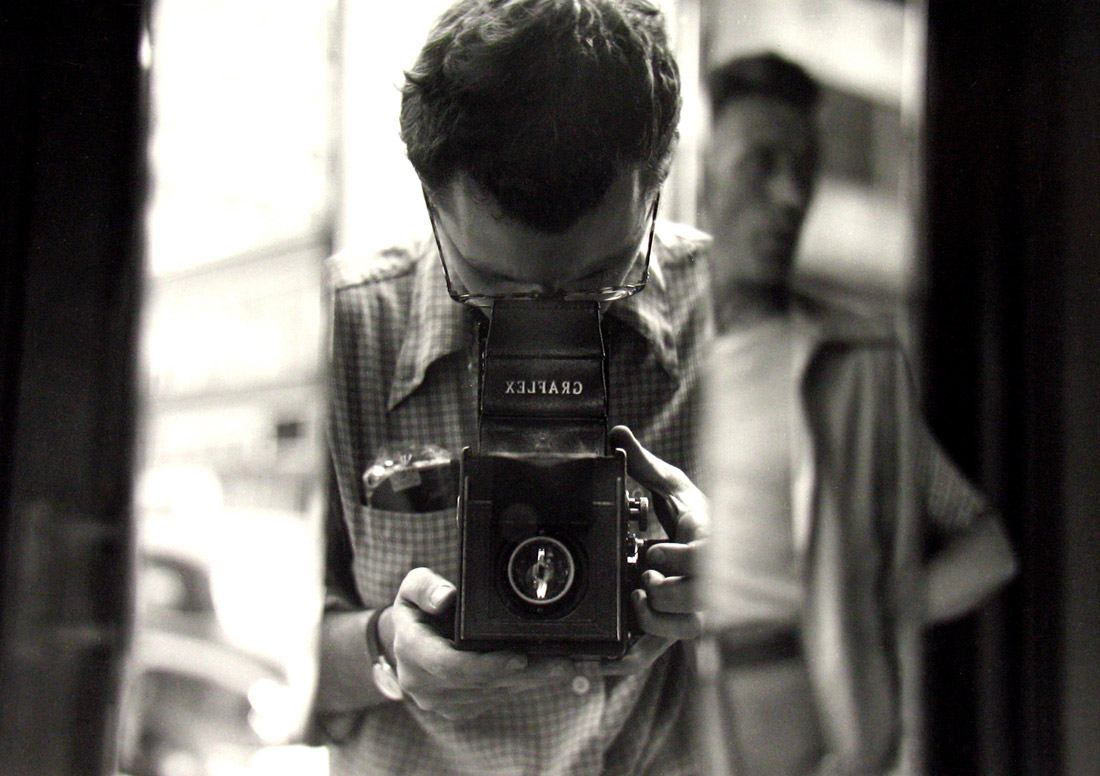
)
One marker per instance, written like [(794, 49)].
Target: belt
[(782, 645)]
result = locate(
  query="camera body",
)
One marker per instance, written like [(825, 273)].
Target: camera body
[(549, 554)]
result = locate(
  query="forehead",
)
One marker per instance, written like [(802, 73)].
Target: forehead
[(478, 229), (755, 121)]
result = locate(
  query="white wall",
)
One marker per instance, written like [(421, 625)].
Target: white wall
[(380, 201)]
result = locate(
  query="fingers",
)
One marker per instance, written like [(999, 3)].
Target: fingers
[(482, 687), (643, 653), (667, 601), (422, 653), (682, 625), (435, 667), (673, 559), (472, 702), (456, 707), (428, 661), (515, 676), (680, 506), (669, 595), (438, 677)]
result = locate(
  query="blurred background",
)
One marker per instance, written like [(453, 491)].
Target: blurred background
[(228, 494), (179, 171)]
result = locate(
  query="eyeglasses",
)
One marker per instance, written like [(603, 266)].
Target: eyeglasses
[(637, 277)]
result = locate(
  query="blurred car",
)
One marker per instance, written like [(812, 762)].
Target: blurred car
[(196, 703)]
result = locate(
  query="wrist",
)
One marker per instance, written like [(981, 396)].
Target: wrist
[(383, 671), (376, 646), (385, 634)]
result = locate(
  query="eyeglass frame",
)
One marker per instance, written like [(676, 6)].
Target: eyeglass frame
[(605, 294)]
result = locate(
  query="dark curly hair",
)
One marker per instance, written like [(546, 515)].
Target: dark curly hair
[(543, 102), (765, 74)]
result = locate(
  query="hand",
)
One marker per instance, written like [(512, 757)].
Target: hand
[(438, 677), (667, 602)]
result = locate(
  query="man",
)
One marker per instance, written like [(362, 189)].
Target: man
[(541, 131), (759, 176), (839, 527)]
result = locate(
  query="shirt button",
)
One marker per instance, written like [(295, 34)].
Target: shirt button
[(580, 685)]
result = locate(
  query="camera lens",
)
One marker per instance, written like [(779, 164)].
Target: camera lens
[(541, 570)]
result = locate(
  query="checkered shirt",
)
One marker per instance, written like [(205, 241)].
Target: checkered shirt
[(404, 359)]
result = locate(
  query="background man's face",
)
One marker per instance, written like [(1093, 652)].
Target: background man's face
[(760, 172), (487, 253)]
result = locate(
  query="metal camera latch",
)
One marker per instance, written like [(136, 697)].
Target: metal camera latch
[(638, 509)]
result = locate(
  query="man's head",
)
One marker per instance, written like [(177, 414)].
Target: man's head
[(542, 131), (760, 168)]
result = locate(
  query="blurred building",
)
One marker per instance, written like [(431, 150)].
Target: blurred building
[(234, 355)]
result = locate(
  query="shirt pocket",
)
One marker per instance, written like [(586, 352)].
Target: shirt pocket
[(388, 544)]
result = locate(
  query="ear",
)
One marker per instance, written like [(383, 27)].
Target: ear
[(664, 167)]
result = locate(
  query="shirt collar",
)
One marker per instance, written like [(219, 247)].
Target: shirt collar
[(649, 311), (828, 324), (439, 326)]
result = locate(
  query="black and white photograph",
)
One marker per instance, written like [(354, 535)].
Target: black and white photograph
[(549, 388)]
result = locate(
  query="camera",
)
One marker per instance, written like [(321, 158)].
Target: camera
[(551, 541)]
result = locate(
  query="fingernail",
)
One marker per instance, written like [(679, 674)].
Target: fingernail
[(439, 594)]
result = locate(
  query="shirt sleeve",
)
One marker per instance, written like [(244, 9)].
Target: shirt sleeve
[(952, 503), (340, 591)]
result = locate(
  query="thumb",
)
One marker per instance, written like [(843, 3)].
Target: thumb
[(681, 507), (425, 590), (663, 480), (645, 467)]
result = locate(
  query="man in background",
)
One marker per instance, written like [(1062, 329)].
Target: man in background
[(840, 528)]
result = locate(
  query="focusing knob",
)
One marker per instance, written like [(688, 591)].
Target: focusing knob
[(638, 509)]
